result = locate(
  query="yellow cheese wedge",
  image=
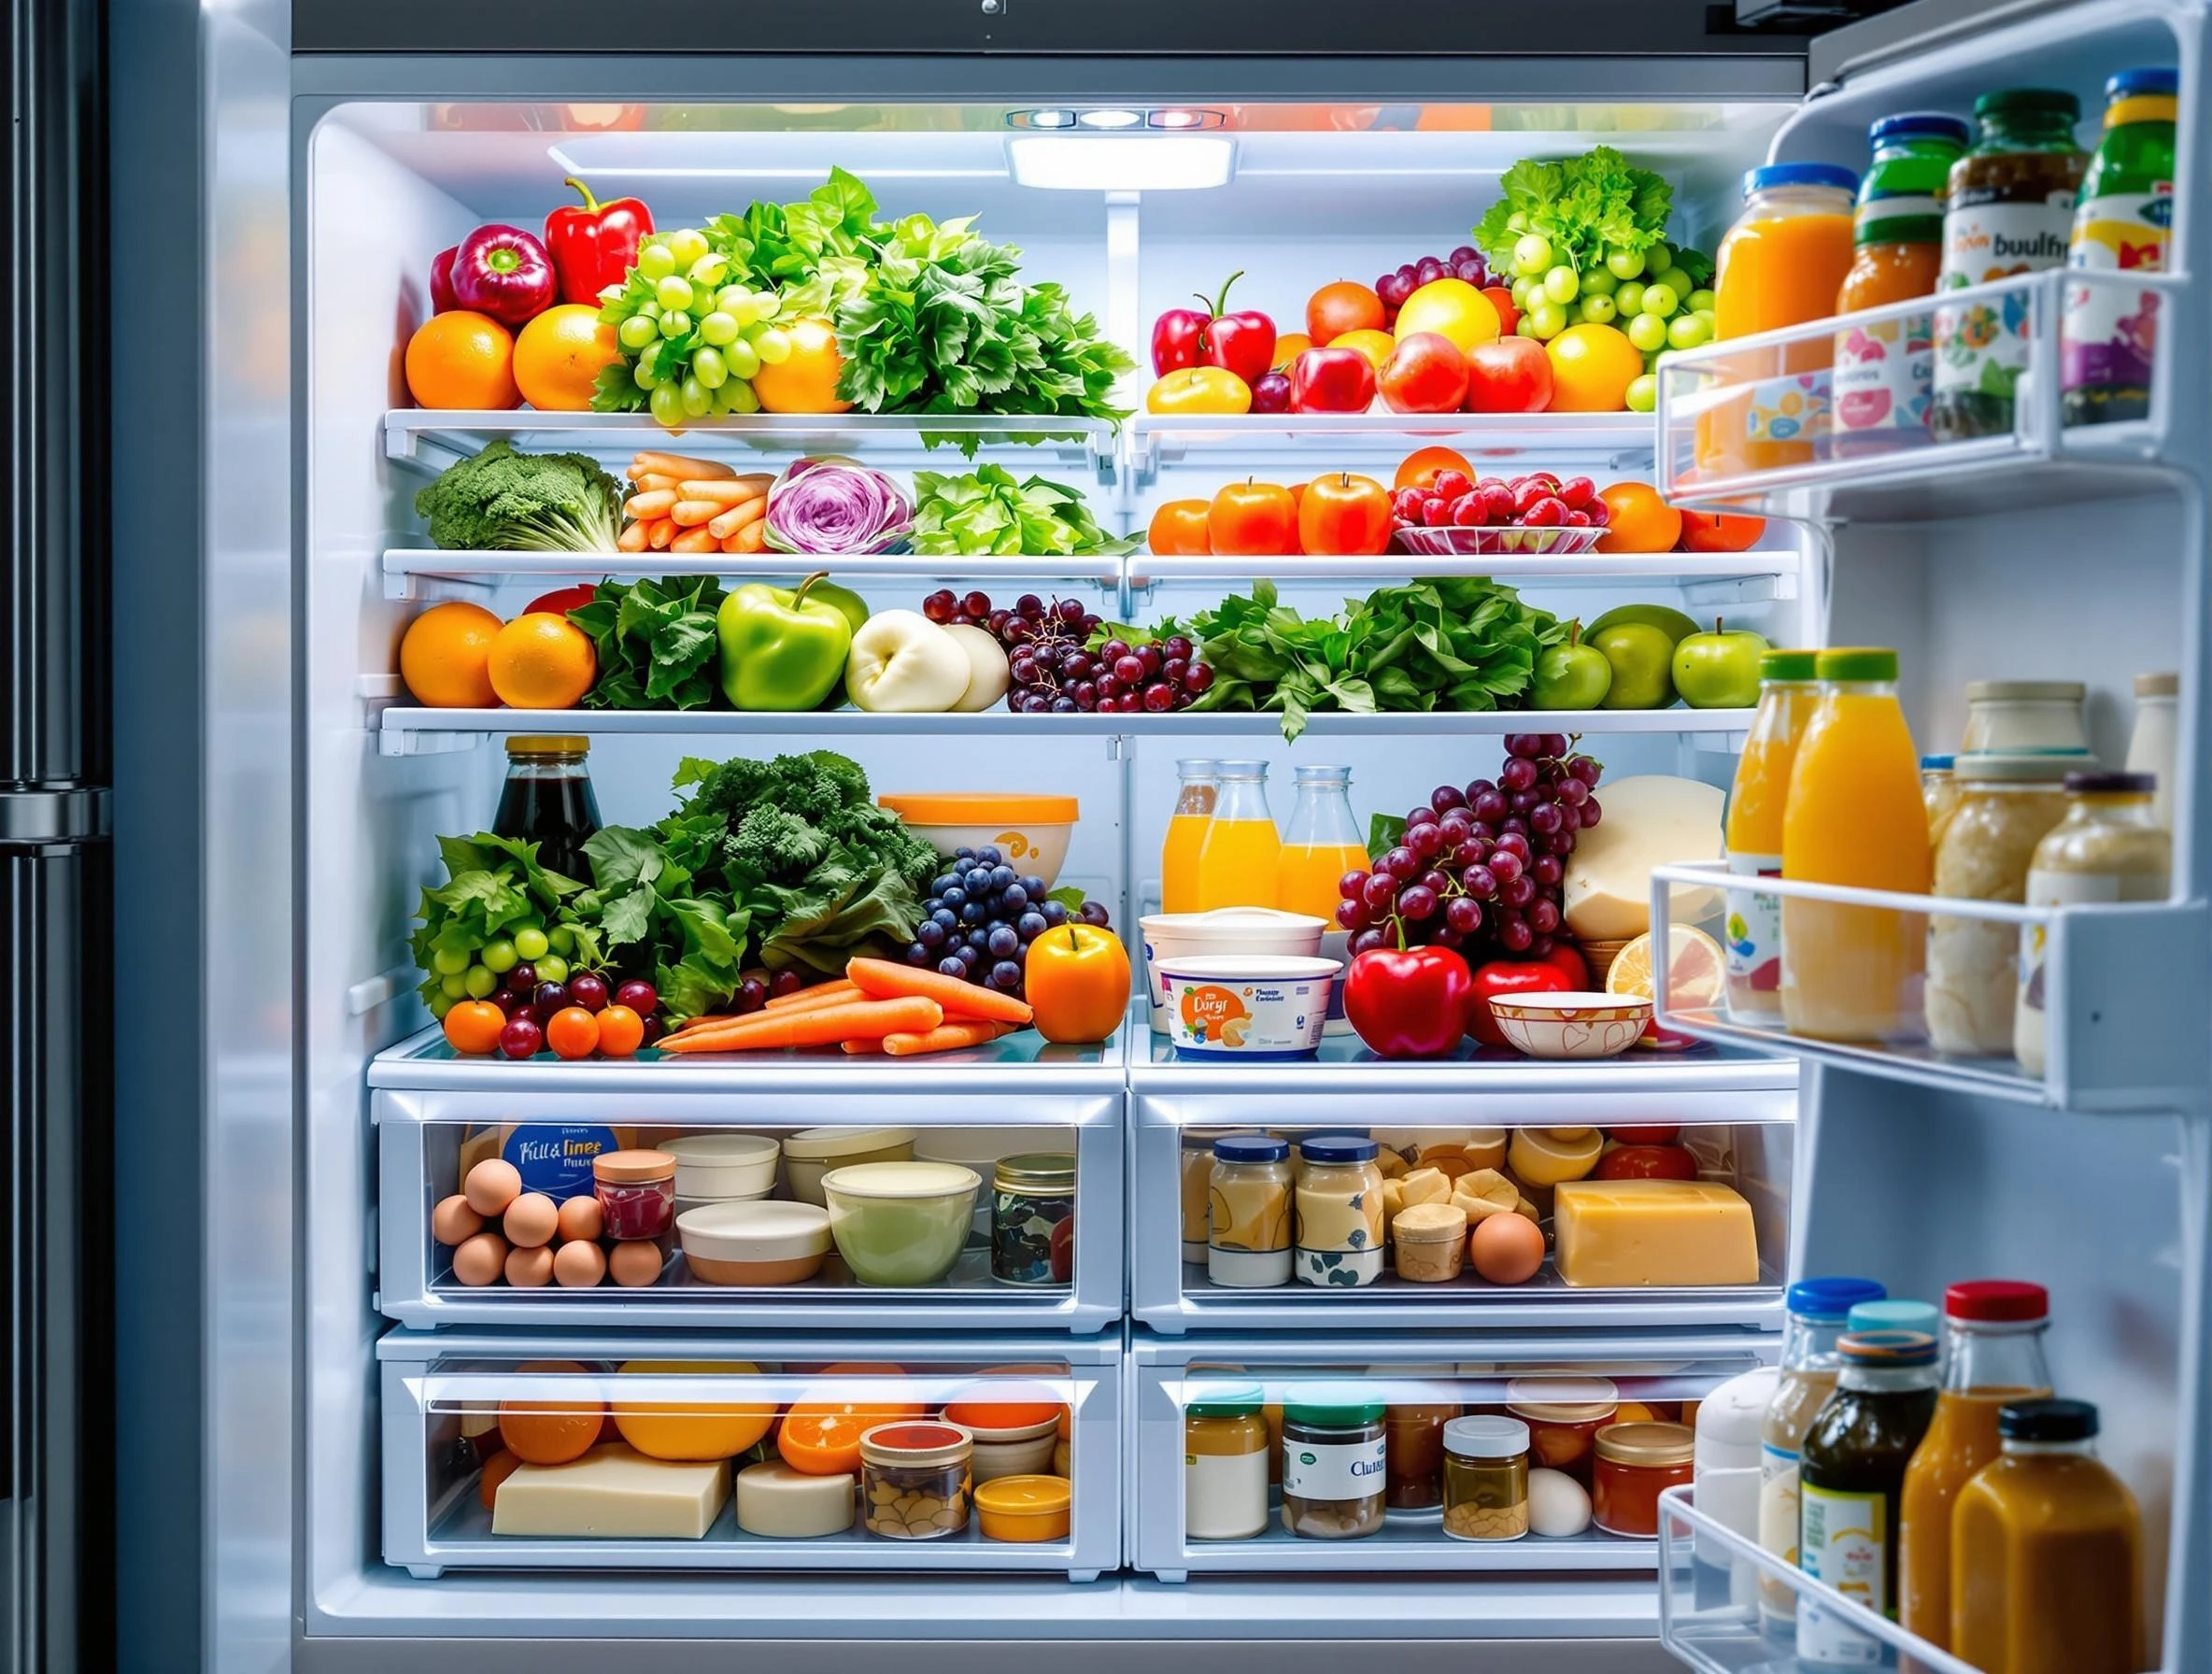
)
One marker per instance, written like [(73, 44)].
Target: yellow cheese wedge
[(1653, 1233), (1547, 1155), (612, 1493), (1486, 1148), (1424, 1185), (1394, 1200), (1481, 1193)]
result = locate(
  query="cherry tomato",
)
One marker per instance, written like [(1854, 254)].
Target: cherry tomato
[(1647, 1162), (1254, 520), (473, 1026), (1179, 529), (621, 1032), (573, 1032)]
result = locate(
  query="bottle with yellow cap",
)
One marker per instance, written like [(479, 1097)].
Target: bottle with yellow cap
[(547, 801)]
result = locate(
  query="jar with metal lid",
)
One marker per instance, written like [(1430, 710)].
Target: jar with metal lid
[(1033, 1219), (1563, 1416), (1485, 1479), (2017, 716), (547, 799), (1334, 1466), (2152, 744), (1634, 1462), (1339, 1211), (1225, 1466), (914, 1478), (2007, 802), (1248, 1213), (636, 1192)]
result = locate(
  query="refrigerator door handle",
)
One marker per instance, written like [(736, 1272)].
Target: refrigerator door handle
[(54, 817)]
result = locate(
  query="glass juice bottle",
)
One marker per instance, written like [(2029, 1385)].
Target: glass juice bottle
[(2109, 333), (1196, 790), (1322, 844), (1755, 806), (1238, 855), (1817, 1310)]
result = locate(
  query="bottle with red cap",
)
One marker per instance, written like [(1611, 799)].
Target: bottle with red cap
[(1993, 1331)]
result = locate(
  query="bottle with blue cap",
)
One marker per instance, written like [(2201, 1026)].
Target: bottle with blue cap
[(2122, 221)]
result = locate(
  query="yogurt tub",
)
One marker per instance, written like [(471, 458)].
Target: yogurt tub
[(1031, 832), (812, 1152), (714, 1167), (980, 1149), (1247, 1005), (1226, 930)]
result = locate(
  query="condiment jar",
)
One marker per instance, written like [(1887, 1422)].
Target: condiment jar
[(1248, 1213), (1196, 1174), (1033, 1219), (1563, 1416), (1634, 1462), (1225, 1467), (2152, 744), (1339, 1211), (1485, 1479), (1333, 1466), (1414, 1451), (636, 1191), (1430, 1243), (914, 1479), (2007, 802), (2015, 716)]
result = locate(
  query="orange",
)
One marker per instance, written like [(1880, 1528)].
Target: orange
[(497, 1470), (1721, 531), (1451, 308), (1697, 977), (1179, 529), (1288, 347), (1642, 521), (443, 656), (558, 355), (473, 1026), (691, 1429), (1377, 346), (1421, 467), (463, 360), (621, 1032), (1340, 307), (1592, 367), (552, 1427), (541, 661), (823, 1438), (807, 382)]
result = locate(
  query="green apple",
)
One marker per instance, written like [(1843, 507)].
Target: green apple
[(1719, 669), (1571, 675), (1640, 653)]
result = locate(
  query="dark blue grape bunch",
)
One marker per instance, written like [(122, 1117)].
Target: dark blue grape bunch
[(982, 917)]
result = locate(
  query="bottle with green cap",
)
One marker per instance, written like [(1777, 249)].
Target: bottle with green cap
[(2122, 221), (1753, 926), (1855, 817)]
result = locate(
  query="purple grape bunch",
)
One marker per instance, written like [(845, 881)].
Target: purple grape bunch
[(1056, 670), (1480, 868), (1466, 262), (981, 917)]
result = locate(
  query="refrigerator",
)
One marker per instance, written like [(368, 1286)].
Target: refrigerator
[(299, 1384)]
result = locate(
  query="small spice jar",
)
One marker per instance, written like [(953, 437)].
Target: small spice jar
[(1334, 1466), (1339, 1211), (1225, 1467), (1485, 1479), (1429, 1240), (636, 1192), (1248, 1213), (914, 1479), (1634, 1462), (1033, 1219), (1563, 1416), (1414, 1446)]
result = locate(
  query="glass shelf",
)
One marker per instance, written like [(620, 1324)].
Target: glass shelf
[(1232, 445), (474, 573)]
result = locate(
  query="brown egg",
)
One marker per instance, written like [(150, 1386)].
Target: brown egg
[(477, 1260), (491, 1186), (636, 1262), (531, 1220), (578, 1265), (453, 1222), (1507, 1249), (582, 1220), (530, 1269)]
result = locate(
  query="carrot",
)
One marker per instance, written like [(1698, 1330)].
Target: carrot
[(729, 522), (677, 465), (945, 1037), (751, 538), (695, 540), (734, 490), (655, 505), (632, 538), (820, 994), (885, 980), (824, 1026), (864, 1048), (660, 533), (653, 482), (694, 514)]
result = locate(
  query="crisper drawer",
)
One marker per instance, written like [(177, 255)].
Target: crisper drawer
[(634, 1453), (1499, 1134), (1195, 1492), (1069, 1265)]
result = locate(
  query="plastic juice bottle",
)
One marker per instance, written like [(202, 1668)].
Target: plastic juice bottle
[(1754, 922), (2126, 213), (1321, 845), (1855, 816), (2047, 1552), (1993, 1356), (1195, 796), (1238, 853), (2010, 209), (1885, 370)]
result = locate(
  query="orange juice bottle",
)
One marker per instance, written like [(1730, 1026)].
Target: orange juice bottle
[(1855, 816), (1322, 844), (1754, 922), (1195, 796), (1238, 855), (1993, 1343)]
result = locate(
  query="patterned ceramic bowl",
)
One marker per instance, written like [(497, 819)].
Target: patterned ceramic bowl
[(1572, 1024)]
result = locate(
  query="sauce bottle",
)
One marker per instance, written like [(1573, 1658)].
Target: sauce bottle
[(2107, 333), (547, 801), (1755, 807)]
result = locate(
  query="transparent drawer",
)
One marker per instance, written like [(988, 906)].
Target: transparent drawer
[(566, 1452), (1179, 1490), (1069, 1263)]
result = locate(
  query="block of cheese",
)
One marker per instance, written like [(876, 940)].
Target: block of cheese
[(1653, 1233), (1649, 821), (782, 1504), (613, 1492), (1425, 1185)]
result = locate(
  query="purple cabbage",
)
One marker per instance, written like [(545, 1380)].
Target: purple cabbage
[(837, 505)]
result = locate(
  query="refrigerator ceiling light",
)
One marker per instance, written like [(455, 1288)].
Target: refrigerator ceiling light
[(1076, 162), (1111, 119)]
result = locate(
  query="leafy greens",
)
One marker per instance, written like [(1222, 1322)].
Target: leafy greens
[(491, 884), (1584, 206), (987, 512), (656, 642)]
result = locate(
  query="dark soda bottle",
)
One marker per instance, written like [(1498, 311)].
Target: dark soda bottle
[(547, 801)]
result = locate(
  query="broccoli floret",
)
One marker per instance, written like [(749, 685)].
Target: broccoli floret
[(775, 844), (502, 501), (883, 833), (845, 774)]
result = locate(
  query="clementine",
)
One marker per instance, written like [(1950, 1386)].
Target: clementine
[(1420, 467), (558, 355), (1340, 307), (1641, 520), (540, 661)]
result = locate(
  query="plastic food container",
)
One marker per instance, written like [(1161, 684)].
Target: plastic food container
[(914, 1479), (1019, 1451), (1247, 1005), (1023, 1507), (637, 1191), (1224, 931), (1032, 831), (754, 1242), (900, 1222), (722, 1168), (812, 1152)]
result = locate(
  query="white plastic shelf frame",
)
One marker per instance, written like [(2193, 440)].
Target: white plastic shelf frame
[(442, 1394), (424, 1101), (1737, 1110), (1240, 445), (1423, 1380)]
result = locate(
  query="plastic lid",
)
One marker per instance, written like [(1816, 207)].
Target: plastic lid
[(2025, 691), (549, 744), (2027, 101), (1039, 1171), (1857, 663), (1338, 1408), (1997, 1300), (633, 1167), (1242, 770), (908, 1181), (1024, 1496), (917, 1442), (1256, 1147), (1787, 666), (1562, 1400), (1937, 124), (1338, 1147), (1486, 1438), (978, 808), (1888, 1348), (2046, 1421), (1647, 1444), (2104, 783), (1937, 764), (2152, 82), (1832, 1299), (1895, 1315), (1777, 174), (2158, 686), (2049, 767), (1241, 1402), (812, 1144)]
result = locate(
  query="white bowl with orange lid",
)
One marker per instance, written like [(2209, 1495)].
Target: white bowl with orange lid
[(1030, 832)]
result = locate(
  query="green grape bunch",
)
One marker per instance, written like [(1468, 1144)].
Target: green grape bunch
[(692, 338)]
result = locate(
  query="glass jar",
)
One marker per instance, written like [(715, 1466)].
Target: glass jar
[(547, 799), (1033, 1219), (2020, 715), (2107, 849), (1413, 1444), (914, 1480), (1485, 1479), (1939, 793), (1197, 788), (1632, 1462), (1429, 1240), (1197, 1177), (1239, 851), (1334, 1467), (1339, 1211), (2152, 744), (1225, 1467), (2005, 805), (636, 1192), (1563, 1416), (1248, 1213)]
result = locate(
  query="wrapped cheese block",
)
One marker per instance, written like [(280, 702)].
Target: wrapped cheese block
[(1652, 1233)]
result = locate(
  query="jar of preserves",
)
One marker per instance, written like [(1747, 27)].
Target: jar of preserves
[(1225, 1467), (1563, 1416), (1334, 1466), (1413, 1444), (1632, 1462), (1248, 1213), (2017, 716), (636, 1192), (1339, 1211), (1485, 1479), (2007, 802), (914, 1478), (1033, 1219)]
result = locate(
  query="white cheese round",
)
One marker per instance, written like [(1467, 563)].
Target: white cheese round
[(782, 1504)]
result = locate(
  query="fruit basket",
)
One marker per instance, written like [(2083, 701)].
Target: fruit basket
[(1495, 542)]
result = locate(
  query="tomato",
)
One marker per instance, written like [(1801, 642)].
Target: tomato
[(621, 1032), (1592, 367), (1644, 1136), (1721, 531), (1199, 389), (1647, 1162), (573, 1032), (473, 1026), (1640, 520), (1179, 529), (1424, 373), (1342, 516), (1343, 307), (1254, 520), (561, 603), (1419, 469)]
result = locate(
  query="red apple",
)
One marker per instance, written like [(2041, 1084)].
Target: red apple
[(1424, 373), (1512, 375), (1502, 300), (1332, 380)]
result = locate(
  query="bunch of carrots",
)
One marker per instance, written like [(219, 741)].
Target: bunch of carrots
[(693, 506), (880, 1007)]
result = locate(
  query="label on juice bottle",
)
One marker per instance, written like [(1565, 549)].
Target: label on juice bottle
[(1754, 944), (1981, 347), (1843, 1542), (1883, 381), (2109, 333)]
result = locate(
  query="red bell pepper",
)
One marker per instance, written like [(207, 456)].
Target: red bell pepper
[(1510, 976), (1242, 343), (504, 272), (1408, 1002), (594, 245)]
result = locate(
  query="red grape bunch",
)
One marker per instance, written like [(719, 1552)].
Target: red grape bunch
[(1055, 669), (1537, 500), (1466, 262), (1480, 868)]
